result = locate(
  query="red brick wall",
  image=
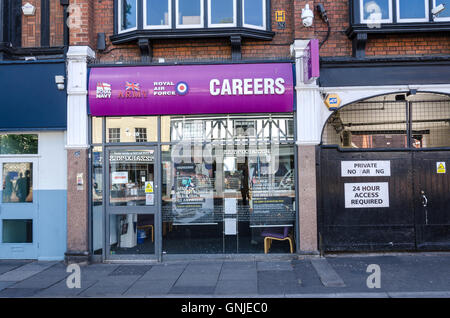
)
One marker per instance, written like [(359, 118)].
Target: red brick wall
[(377, 45), (195, 49), (31, 25)]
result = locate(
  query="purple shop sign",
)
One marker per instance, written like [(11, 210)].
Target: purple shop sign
[(311, 62), (191, 89)]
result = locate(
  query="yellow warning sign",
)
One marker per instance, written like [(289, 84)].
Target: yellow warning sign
[(441, 167), (149, 187), (280, 16)]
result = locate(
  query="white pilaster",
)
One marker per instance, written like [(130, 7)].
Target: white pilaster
[(77, 89), (310, 106)]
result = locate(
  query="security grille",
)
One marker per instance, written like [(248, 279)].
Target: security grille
[(390, 124)]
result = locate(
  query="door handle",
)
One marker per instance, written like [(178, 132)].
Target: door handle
[(424, 199)]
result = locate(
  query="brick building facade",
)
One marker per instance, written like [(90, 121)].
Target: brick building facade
[(407, 54)]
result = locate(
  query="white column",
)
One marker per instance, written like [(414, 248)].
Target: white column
[(77, 89), (310, 106), (309, 128)]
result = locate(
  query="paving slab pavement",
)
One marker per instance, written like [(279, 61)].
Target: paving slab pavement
[(402, 276)]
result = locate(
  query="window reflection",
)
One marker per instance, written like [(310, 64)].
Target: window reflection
[(222, 11), (128, 14), (158, 12), (254, 12), (225, 197), (412, 9), (190, 12)]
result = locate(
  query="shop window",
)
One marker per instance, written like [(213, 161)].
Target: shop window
[(17, 182), (412, 10), (222, 13), (254, 12), (127, 15), (17, 231), (189, 13), (132, 129), (113, 134), (12, 144), (97, 130), (157, 14)]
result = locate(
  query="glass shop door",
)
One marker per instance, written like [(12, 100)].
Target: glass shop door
[(132, 203)]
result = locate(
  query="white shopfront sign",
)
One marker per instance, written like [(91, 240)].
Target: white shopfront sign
[(366, 168), (366, 195)]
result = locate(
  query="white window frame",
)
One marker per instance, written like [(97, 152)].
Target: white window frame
[(222, 25), (154, 27), (364, 21), (263, 17), (438, 19), (190, 26), (120, 17), (427, 14)]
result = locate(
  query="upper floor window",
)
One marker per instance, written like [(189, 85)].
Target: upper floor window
[(444, 15), (190, 13), (412, 11), (158, 15), (127, 15), (222, 13), (400, 11), (254, 12)]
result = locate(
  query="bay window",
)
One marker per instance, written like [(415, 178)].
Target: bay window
[(222, 13), (189, 13), (127, 15), (157, 14), (412, 11), (254, 12), (444, 15)]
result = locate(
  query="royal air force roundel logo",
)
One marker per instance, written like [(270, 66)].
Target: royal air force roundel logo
[(182, 88)]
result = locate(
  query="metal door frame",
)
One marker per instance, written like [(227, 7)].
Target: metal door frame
[(150, 210)]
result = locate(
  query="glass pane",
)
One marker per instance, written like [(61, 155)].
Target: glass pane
[(17, 231), (412, 9), (97, 199), (97, 129), (131, 129), (18, 144), (226, 197), (189, 12), (376, 10), (132, 234), (132, 177), (128, 11), (222, 11), (17, 182), (157, 12), (253, 10), (446, 12)]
